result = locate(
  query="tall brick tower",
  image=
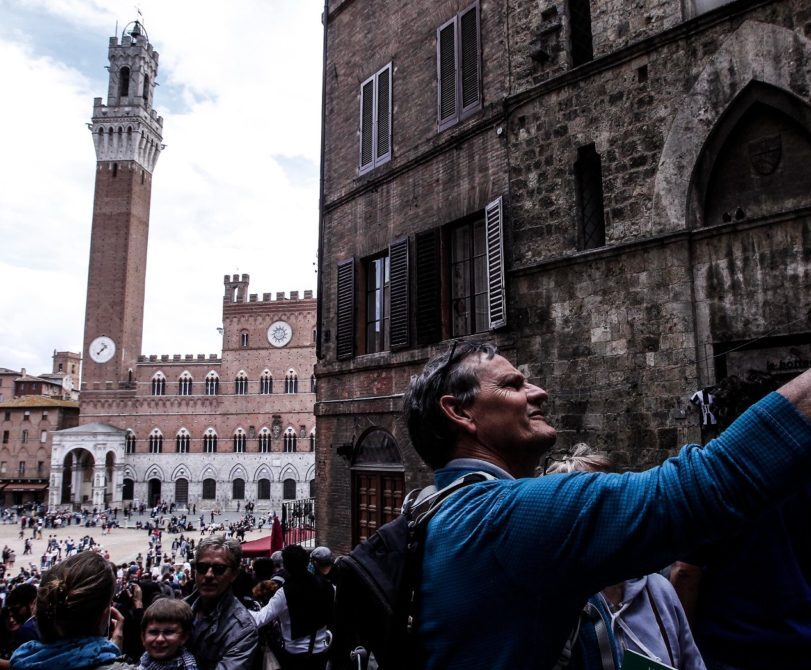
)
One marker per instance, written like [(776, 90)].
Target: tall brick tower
[(127, 136)]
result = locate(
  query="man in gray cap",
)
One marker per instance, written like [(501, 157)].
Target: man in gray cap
[(321, 558)]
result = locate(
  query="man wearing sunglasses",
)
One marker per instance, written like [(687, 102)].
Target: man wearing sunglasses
[(223, 635), (537, 547)]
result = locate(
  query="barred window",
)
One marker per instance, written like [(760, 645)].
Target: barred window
[(155, 442), (264, 441), (182, 441), (240, 440), (158, 384), (212, 383), (210, 442), (266, 383)]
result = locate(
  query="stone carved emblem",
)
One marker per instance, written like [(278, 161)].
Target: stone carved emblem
[(765, 154), (276, 429)]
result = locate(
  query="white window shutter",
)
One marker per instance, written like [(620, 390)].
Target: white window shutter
[(383, 114), (367, 123), (496, 299)]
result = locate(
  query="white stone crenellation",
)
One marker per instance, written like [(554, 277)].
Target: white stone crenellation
[(127, 128)]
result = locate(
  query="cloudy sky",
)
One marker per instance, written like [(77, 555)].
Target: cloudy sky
[(235, 190)]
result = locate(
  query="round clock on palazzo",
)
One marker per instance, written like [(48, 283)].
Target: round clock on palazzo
[(279, 333), (102, 349)]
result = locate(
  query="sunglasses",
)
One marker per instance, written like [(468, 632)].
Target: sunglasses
[(217, 568)]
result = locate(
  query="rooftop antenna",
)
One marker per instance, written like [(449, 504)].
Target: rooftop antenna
[(116, 28)]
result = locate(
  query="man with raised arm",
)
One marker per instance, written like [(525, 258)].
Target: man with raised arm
[(536, 548)]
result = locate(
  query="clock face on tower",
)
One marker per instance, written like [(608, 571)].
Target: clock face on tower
[(102, 349), (279, 333)]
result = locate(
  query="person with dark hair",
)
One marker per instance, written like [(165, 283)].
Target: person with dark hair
[(303, 608), (472, 410), (165, 628), (21, 603), (79, 626), (224, 635)]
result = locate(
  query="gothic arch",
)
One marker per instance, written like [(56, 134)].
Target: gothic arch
[(263, 472), (756, 52), (766, 131), (181, 472), (289, 472), (129, 473), (154, 472), (238, 471), (310, 473), (209, 472)]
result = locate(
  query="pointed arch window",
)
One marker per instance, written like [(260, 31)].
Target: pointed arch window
[(290, 440), (129, 442), (212, 383), (266, 383), (241, 384), (158, 384), (291, 382), (210, 441), (312, 383), (184, 384), (264, 441), (182, 441), (289, 489), (123, 82), (240, 440), (155, 442), (312, 440), (238, 489)]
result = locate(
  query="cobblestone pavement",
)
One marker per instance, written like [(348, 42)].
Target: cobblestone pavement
[(122, 543)]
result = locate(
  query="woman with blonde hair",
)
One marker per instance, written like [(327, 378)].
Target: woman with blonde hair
[(78, 625)]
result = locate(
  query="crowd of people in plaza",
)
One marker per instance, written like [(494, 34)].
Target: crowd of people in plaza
[(570, 565)]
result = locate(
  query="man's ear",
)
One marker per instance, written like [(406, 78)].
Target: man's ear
[(457, 415)]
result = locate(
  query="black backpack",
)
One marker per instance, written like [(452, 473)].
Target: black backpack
[(375, 600)]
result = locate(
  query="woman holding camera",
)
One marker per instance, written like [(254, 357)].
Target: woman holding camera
[(79, 626)]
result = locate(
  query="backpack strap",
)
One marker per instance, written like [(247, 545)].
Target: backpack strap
[(659, 623), (422, 506)]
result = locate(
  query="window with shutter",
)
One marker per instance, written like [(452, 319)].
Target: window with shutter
[(375, 120), (458, 68), (398, 288), (345, 317), (427, 287), (468, 285), (377, 304), (495, 264)]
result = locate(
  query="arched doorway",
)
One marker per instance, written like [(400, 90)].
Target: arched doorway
[(128, 489), (377, 482), (154, 494), (77, 477), (182, 492)]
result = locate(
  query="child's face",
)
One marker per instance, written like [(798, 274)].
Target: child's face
[(163, 639)]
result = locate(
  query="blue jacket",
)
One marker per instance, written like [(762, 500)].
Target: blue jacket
[(509, 563)]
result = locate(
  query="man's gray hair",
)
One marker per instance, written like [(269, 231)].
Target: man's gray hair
[(218, 542), (581, 458), (432, 435)]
